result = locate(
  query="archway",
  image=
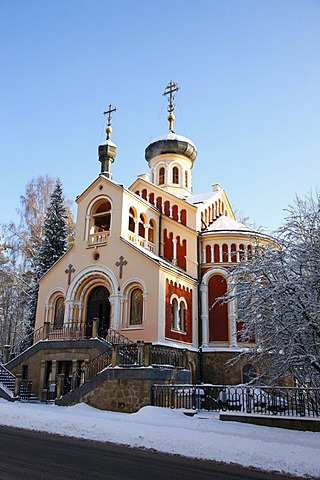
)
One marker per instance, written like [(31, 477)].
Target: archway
[(98, 306)]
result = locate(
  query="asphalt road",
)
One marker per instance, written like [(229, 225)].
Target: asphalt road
[(27, 455)]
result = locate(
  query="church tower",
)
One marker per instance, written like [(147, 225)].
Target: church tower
[(107, 151), (171, 157)]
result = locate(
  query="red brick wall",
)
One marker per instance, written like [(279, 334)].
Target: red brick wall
[(181, 292)]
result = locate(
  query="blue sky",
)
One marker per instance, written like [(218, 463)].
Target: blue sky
[(249, 72)]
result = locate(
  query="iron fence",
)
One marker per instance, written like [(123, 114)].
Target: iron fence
[(285, 401)]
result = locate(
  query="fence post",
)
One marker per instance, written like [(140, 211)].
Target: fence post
[(248, 400), (6, 353), (147, 354), (17, 384), (95, 327), (114, 355), (140, 352), (60, 382), (46, 330)]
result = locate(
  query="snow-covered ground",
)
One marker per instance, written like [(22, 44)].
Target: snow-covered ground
[(202, 436)]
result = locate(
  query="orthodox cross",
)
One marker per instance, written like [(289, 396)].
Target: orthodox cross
[(170, 89), (69, 271), (121, 263), (108, 112)]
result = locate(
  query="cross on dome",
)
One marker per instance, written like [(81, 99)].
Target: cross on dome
[(109, 112), (170, 89)]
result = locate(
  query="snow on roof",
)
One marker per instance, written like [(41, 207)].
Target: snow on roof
[(201, 197), (224, 223), (110, 142), (173, 136)]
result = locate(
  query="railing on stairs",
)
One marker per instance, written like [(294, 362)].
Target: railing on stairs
[(26, 342), (15, 387)]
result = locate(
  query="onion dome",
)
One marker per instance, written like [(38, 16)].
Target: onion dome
[(171, 143)]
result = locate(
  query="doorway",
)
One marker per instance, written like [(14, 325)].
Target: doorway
[(98, 306)]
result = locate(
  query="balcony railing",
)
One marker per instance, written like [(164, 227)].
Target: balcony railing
[(98, 237)]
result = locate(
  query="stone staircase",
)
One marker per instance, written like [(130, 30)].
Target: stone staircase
[(7, 387)]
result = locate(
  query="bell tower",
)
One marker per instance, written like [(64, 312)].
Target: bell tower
[(171, 156)]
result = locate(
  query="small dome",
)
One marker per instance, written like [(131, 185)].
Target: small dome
[(171, 143), (227, 224)]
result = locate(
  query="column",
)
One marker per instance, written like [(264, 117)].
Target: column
[(95, 327), (86, 234), (204, 314), (42, 385), (232, 324), (6, 353), (17, 384), (146, 231), (136, 227), (46, 330), (175, 259)]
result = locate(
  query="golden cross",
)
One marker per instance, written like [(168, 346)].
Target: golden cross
[(170, 89), (108, 112)]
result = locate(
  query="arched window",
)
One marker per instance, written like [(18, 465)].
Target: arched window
[(131, 220), (174, 314), (161, 176), (175, 175), (58, 313), (216, 253), (175, 212), (167, 208), (186, 179), (136, 307), (181, 319), (241, 252), (151, 231), (101, 217), (144, 194), (225, 252), (233, 252), (208, 253), (142, 230), (151, 198), (183, 217)]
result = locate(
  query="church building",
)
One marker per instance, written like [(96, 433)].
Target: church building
[(146, 266)]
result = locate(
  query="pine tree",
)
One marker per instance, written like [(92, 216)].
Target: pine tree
[(54, 245)]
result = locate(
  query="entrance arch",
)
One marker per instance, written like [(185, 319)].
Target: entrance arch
[(98, 306)]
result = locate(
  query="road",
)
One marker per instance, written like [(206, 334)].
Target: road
[(27, 455)]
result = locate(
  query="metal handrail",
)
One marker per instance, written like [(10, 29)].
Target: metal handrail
[(116, 338)]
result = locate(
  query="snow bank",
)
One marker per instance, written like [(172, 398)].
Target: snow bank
[(202, 436)]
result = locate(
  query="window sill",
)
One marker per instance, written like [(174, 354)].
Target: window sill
[(133, 327), (182, 332)]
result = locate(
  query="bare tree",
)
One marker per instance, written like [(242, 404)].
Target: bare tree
[(278, 290), (19, 252)]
